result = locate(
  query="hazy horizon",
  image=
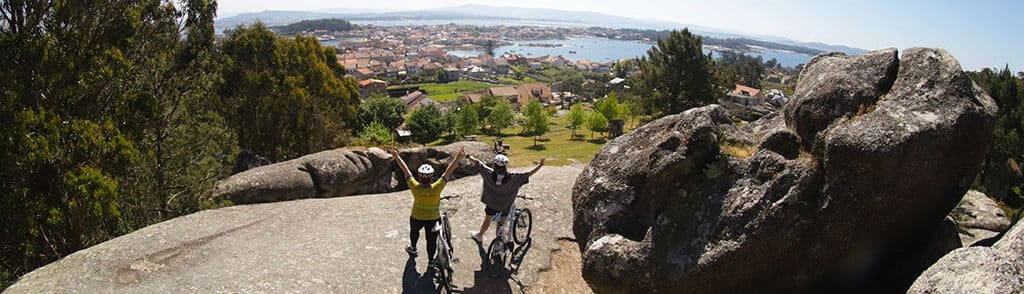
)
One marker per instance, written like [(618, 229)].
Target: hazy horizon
[(978, 34)]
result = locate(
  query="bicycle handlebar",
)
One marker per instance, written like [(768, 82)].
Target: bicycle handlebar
[(524, 197), (450, 197)]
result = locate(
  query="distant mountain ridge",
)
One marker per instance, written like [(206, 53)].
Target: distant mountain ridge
[(486, 12)]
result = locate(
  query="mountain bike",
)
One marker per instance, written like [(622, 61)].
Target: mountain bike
[(502, 246), (446, 253)]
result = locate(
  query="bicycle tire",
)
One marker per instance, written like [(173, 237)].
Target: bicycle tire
[(495, 258), (523, 221), (445, 280), (447, 230)]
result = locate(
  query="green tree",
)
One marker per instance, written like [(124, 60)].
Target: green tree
[(377, 134), (738, 68), (282, 96), (388, 111), (536, 120), (597, 123), (500, 116), (676, 74), (451, 118), (624, 68), (576, 118), (1007, 145), (426, 124), (102, 103), (489, 47), (609, 107), (467, 122)]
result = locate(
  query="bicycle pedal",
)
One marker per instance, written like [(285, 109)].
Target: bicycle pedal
[(455, 260)]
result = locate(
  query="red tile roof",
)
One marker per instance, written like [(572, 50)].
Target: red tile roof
[(742, 90)]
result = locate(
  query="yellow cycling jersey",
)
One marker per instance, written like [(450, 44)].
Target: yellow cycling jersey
[(426, 203)]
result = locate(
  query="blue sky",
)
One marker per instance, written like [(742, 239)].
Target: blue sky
[(979, 33)]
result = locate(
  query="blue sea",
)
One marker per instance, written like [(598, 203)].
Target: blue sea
[(604, 50), (593, 49)]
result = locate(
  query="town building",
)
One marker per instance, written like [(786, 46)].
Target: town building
[(416, 100), (370, 87)]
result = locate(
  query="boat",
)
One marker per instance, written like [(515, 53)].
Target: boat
[(572, 52)]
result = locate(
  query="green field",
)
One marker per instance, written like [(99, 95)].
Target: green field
[(444, 92), (557, 145)]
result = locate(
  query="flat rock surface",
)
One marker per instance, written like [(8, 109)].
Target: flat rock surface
[(348, 245)]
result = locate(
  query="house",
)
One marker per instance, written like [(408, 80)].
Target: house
[(364, 73), (509, 93), (501, 66), (416, 100), (369, 87), (474, 97), (745, 96), (451, 74), (744, 91), (556, 61), (538, 91)]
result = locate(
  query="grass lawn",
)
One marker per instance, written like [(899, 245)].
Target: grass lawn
[(444, 92), (556, 145)]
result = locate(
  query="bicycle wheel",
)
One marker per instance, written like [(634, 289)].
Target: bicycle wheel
[(447, 230), (444, 279), (496, 257), (522, 226)]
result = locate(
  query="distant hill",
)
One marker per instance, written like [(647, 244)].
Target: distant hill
[(330, 24)]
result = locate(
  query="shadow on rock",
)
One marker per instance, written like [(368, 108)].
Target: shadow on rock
[(483, 282), (413, 282)]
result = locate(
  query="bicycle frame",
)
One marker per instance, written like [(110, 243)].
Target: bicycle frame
[(503, 228)]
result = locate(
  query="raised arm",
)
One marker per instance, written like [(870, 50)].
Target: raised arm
[(451, 166), (536, 168), (477, 160), (401, 163)]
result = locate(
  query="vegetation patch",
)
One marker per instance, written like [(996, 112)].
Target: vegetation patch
[(736, 149)]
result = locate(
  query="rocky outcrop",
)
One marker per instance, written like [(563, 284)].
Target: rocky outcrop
[(874, 153), (980, 219), (247, 160), (979, 269), (337, 172), (337, 245)]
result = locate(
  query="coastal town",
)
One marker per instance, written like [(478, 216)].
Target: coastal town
[(409, 62)]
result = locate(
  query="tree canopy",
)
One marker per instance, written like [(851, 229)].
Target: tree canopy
[(283, 95), (109, 122), (426, 124), (388, 111), (676, 75), (1007, 148), (536, 120), (329, 24)]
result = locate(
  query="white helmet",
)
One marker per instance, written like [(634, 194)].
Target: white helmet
[(500, 160), (425, 170)]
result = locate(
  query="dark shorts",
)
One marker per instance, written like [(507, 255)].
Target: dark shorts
[(490, 211)]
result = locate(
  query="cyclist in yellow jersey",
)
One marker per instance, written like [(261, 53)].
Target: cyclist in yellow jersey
[(426, 192)]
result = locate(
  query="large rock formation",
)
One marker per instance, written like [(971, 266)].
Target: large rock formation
[(979, 269), (980, 219), (338, 172), (871, 155), (337, 245)]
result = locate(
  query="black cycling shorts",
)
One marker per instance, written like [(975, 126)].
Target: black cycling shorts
[(490, 211)]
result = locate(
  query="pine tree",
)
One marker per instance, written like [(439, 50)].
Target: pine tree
[(676, 74)]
